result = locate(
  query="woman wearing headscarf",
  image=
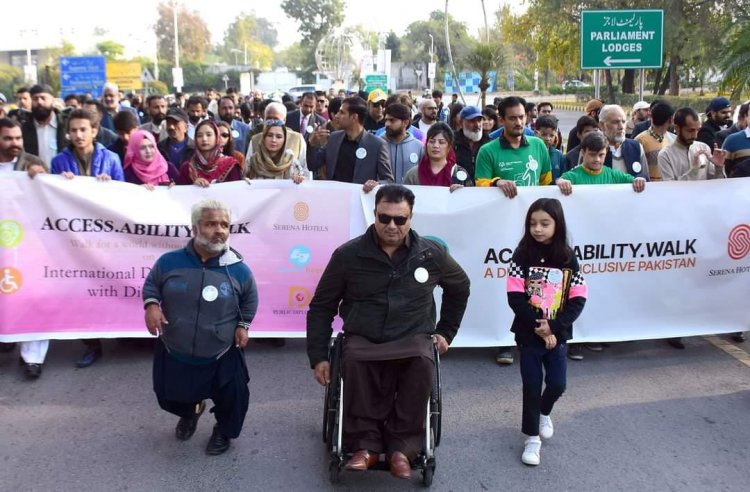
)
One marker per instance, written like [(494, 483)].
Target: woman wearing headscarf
[(208, 164), (226, 140), (277, 154), (143, 163), (438, 165)]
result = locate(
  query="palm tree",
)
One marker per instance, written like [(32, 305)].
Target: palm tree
[(485, 58), (736, 63)]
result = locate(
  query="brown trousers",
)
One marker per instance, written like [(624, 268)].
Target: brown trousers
[(385, 403)]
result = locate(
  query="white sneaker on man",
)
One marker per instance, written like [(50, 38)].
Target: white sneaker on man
[(531, 450), (546, 430)]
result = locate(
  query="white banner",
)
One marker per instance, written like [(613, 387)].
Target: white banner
[(671, 261)]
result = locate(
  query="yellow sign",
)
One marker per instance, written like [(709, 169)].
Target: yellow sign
[(127, 75)]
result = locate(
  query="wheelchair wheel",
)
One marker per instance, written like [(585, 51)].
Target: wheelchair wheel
[(428, 473), (436, 402), (331, 399), (334, 469)]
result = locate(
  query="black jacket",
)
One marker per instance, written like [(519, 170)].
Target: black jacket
[(708, 131), (465, 157), (185, 155), (30, 141), (381, 302)]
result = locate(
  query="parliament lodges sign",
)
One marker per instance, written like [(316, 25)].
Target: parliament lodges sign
[(622, 39)]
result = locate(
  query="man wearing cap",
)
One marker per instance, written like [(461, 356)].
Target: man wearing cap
[(718, 117), (641, 112), (44, 132), (305, 120), (375, 119), (177, 148), (592, 109), (466, 143), (405, 151)]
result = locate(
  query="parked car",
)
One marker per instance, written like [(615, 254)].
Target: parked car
[(297, 91), (574, 84)]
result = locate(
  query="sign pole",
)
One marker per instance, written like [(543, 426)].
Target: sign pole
[(641, 83)]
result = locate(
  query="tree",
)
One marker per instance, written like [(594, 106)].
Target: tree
[(485, 58), (10, 79), (393, 43), (292, 57), (111, 50), (194, 36), (251, 33), (416, 42), (316, 18), (736, 63)]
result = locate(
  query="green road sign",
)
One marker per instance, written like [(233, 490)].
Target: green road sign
[(622, 38), (376, 81)]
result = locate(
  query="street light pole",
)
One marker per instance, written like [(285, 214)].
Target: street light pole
[(432, 55)]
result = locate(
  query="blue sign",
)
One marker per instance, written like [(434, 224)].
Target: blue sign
[(82, 74)]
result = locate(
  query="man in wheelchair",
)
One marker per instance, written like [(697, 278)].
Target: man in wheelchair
[(381, 284)]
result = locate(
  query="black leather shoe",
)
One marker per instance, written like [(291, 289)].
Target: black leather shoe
[(33, 371), (89, 357), (218, 443), (186, 425)]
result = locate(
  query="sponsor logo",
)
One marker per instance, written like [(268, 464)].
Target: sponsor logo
[(738, 244), (299, 297), (11, 233), (300, 255), (10, 281), (301, 211)]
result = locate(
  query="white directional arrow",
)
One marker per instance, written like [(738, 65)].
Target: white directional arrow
[(609, 60)]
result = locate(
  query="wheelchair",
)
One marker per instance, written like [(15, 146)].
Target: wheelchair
[(333, 416)]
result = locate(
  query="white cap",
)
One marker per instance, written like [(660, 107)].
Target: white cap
[(641, 105)]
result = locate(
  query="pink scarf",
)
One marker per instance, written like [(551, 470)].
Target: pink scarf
[(154, 172), (443, 178)]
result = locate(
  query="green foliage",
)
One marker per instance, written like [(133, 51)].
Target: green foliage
[(415, 45), (255, 33), (485, 58), (111, 50), (11, 78), (393, 43), (736, 63), (194, 36), (292, 57), (316, 18)]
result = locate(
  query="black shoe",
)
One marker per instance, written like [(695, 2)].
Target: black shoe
[(218, 443), (7, 347), (186, 425), (504, 356), (676, 343), (738, 337), (33, 371), (575, 352), (89, 357)]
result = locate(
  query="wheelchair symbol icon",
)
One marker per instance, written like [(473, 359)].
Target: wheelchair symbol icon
[(10, 282)]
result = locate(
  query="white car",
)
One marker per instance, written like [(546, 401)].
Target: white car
[(574, 84), (297, 91)]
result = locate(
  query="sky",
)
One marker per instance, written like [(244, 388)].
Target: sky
[(131, 22)]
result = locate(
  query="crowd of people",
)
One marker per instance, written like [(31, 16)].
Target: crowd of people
[(371, 139)]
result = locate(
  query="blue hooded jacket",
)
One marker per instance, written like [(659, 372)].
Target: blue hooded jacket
[(103, 162)]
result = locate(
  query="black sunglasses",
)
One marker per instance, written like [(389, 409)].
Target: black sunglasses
[(386, 219), (380, 104)]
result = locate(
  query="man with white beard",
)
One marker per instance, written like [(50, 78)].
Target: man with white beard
[(471, 137), (200, 301)]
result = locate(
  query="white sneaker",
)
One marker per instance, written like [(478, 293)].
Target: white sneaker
[(531, 450), (546, 430)]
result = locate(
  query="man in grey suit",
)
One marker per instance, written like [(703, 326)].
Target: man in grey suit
[(351, 154), (305, 120)]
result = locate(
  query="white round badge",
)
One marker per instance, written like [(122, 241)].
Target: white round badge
[(413, 158), (310, 129), (210, 293), (637, 167), (235, 134), (361, 153), (421, 275), (461, 175)]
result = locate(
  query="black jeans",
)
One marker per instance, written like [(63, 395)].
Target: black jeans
[(541, 365)]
